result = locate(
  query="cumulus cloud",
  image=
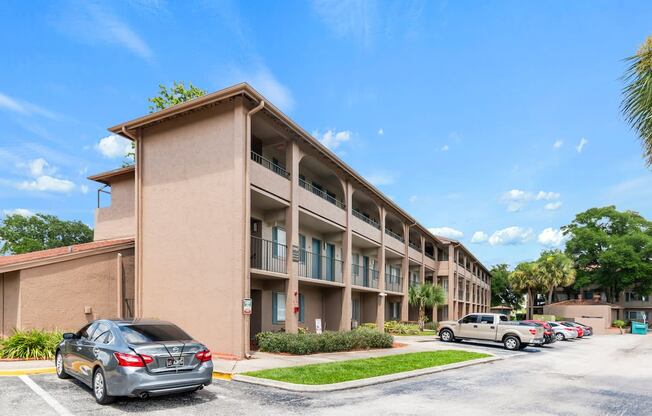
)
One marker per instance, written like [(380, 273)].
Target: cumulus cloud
[(551, 237), (333, 139), (557, 144), (18, 211), (479, 237), (547, 196), (583, 142), (517, 198), (445, 148), (511, 236), (113, 146), (446, 232), (381, 132), (47, 183), (552, 206)]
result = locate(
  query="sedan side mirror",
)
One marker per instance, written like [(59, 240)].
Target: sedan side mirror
[(69, 335)]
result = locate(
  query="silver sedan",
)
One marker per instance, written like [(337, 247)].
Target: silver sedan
[(134, 358)]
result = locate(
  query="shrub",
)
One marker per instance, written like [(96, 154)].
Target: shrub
[(368, 325), (31, 344), (618, 323), (431, 326), (401, 328), (329, 341)]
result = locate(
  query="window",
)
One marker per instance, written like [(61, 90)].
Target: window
[(101, 334), (88, 332), (503, 318), (394, 308), (302, 248), (302, 308), (355, 309), (470, 319), (635, 297), (487, 319), (588, 294), (278, 307), (84, 331), (636, 315), (278, 237), (143, 333)]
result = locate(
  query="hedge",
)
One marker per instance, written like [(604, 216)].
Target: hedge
[(32, 344), (328, 341)]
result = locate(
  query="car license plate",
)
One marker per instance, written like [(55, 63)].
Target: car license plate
[(175, 362)]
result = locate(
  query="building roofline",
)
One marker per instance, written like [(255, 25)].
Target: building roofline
[(105, 177), (246, 90), (447, 240)]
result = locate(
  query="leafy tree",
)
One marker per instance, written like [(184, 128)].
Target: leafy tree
[(425, 296), (167, 97), (637, 96), (611, 249), (24, 234), (525, 278), (554, 269), (502, 292)]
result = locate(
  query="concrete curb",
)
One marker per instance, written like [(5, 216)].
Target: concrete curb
[(359, 383), (27, 371)]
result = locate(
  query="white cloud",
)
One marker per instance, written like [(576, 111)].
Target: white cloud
[(24, 108), (517, 195), (381, 178), (547, 196), (264, 81), (113, 146), (510, 236), (18, 211), (333, 139), (83, 189), (358, 19), (557, 144), (445, 148), (381, 132), (37, 167), (551, 237), (580, 146), (47, 183), (479, 237), (552, 206), (446, 232)]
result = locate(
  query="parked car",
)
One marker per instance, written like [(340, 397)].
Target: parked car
[(588, 330), (494, 327), (138, 358), (548, 333), (563, 332), (580, 331)]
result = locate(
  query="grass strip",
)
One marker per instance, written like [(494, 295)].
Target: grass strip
[(340, 371)]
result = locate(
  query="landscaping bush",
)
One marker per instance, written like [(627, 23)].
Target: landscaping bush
[(329, 341), (368, 325), (431, 326), (401, 328), (31, 344)]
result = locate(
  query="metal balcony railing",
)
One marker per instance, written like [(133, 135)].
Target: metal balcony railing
[(414, 246), (364, 276), (316, 266), (268, 255), (393, 283), (394, 235), (321, 193), (274, 167), (366, 219), (414, 281)]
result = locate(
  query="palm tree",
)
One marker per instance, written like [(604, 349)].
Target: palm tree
[(525, 278), (637, 96), (555, 269), (425, 296)]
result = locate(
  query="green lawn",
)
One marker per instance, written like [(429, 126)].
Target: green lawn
[(364, 368)]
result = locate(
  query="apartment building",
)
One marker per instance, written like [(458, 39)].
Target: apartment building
[(237, 206)]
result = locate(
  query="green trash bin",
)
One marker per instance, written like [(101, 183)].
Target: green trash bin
[(639, 328)]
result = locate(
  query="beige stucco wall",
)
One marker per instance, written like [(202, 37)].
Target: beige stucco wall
[(192, 225), (10, 302), (598, 316), (118, 219)]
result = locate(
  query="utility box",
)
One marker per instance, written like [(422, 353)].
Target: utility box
[(639, 328)]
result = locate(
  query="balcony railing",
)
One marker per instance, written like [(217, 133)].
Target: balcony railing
[(268, 255), (316, 266), (393, 234), (414, 246), (414, 281), (274, 167), (393, 283), (430, 255), (366, 219), (364, 276), (321, 193)]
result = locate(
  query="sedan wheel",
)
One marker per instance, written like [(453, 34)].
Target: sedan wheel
[(61, 372), (559, 336), (99, 388)]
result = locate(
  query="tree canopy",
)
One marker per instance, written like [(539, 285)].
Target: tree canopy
[(425, 296), (24, 234), (502, 292), (554, 269), (612, 249)]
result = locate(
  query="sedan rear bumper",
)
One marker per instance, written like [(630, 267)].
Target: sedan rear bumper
[(132, 382)]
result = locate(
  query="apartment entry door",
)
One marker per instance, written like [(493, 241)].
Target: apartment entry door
[(330, 262), (256, 319), (316, 258), (256, 252)]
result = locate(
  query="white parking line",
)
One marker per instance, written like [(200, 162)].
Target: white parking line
[(62, 411)]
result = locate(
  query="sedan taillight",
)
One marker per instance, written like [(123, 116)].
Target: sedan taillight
[(132, 360), (204, 355), (533, 331)]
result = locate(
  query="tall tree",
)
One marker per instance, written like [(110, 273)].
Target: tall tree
[(425, 296), (502, 292), (555, 269), (612, 249), (24, 234), (525, 278), (167, 97), (637, 96)]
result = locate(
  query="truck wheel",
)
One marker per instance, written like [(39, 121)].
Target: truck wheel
[(446, 335), (511, 343)]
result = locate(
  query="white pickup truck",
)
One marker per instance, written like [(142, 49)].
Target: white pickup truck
[(514, 335)]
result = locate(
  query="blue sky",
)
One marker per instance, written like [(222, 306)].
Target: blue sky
[(491, 122)]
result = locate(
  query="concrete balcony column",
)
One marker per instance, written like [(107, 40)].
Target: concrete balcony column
[(405, 274), (380, 308), (452, 304), (347, 247), (422, 276), (293, 156)]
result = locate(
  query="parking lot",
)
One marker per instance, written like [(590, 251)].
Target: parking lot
[(600, 375)]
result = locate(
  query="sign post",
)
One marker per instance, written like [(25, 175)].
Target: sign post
[(246, 306)]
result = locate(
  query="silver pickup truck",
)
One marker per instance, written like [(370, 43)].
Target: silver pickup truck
[(514, 335)]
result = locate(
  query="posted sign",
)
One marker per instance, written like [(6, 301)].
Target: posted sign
[(246, 306), (318, 326)]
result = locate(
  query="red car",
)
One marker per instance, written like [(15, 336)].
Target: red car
[(580, 331), (548, 333)]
